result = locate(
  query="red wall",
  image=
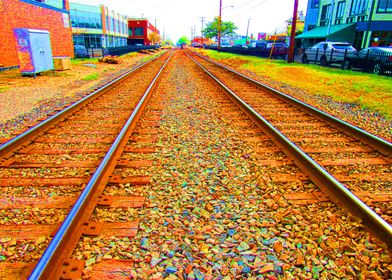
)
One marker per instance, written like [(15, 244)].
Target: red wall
[(17, 14), (143, 23)]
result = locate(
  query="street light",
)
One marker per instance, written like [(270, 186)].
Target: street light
[(220, 22)]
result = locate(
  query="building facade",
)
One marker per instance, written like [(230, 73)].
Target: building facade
[(97, 26), (139, 32), (51, 16), (361, 22), (312, 12)]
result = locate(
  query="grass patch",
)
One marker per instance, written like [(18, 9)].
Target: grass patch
[(129, 55), (368, 90), (90, 77), (80, 61), (148, 57), (4, 88)]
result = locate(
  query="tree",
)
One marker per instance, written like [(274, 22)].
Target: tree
[(154, 38), (300, 24), (183, 41), (227, 28)]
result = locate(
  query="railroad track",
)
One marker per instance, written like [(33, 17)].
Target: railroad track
[(47, 167), (358, 161), (193, 187)]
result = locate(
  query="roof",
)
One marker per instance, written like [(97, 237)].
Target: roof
[(321, 32)]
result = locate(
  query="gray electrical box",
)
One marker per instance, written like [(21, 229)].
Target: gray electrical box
[(34, 50)]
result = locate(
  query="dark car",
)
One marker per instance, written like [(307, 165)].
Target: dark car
[(277, 49), (81, 51), (373, 59)]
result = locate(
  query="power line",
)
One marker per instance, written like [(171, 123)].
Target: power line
[(238, 7), (262, 2)]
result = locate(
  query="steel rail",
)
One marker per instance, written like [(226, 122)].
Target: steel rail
[(50, 260), (378, 143), (15, 142), (337, 191)]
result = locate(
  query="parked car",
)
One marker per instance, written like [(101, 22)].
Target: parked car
[(277, 49), (81, 51), (373, 59), (328, 52), (259, 45)]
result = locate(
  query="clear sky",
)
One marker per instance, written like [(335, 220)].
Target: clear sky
[(176, 18)]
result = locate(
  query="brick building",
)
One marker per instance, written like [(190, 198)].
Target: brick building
[(50, 15), (139, 31)]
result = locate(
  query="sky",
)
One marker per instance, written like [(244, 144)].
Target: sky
[(177, 18)]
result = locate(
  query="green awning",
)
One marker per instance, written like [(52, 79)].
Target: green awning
[(341, 30)]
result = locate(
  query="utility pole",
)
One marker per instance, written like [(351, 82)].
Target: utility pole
[(202, 27), (219, 25), (290, 56), (247, 30)]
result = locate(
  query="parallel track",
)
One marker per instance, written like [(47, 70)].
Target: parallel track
[(346, 162), (116, 191), (48, 166)]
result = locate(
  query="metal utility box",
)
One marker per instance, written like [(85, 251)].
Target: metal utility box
[(34, 50)]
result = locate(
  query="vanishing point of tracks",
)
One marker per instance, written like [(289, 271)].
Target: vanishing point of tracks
[(192, 186)]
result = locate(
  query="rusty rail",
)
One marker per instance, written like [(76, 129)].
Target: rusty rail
[(379, 144), (51, 261), (338, 192), (17, 141)]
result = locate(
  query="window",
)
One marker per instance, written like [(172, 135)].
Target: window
[(384, 6), (325, 15), (88, 40), (340, 9), (112, 24), (139, 31), (130, 32), (315, 3), (83, 19), (358, 7)]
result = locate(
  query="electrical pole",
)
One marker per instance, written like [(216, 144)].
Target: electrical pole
[(202, 27), (219, 25), (247, 30), (290, 57)]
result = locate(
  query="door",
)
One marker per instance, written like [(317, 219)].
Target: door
[(41, 51)]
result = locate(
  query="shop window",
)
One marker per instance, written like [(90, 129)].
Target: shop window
[(381, 38), (384, 6)]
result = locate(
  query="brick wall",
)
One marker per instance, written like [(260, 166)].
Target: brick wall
[(18, 14)]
